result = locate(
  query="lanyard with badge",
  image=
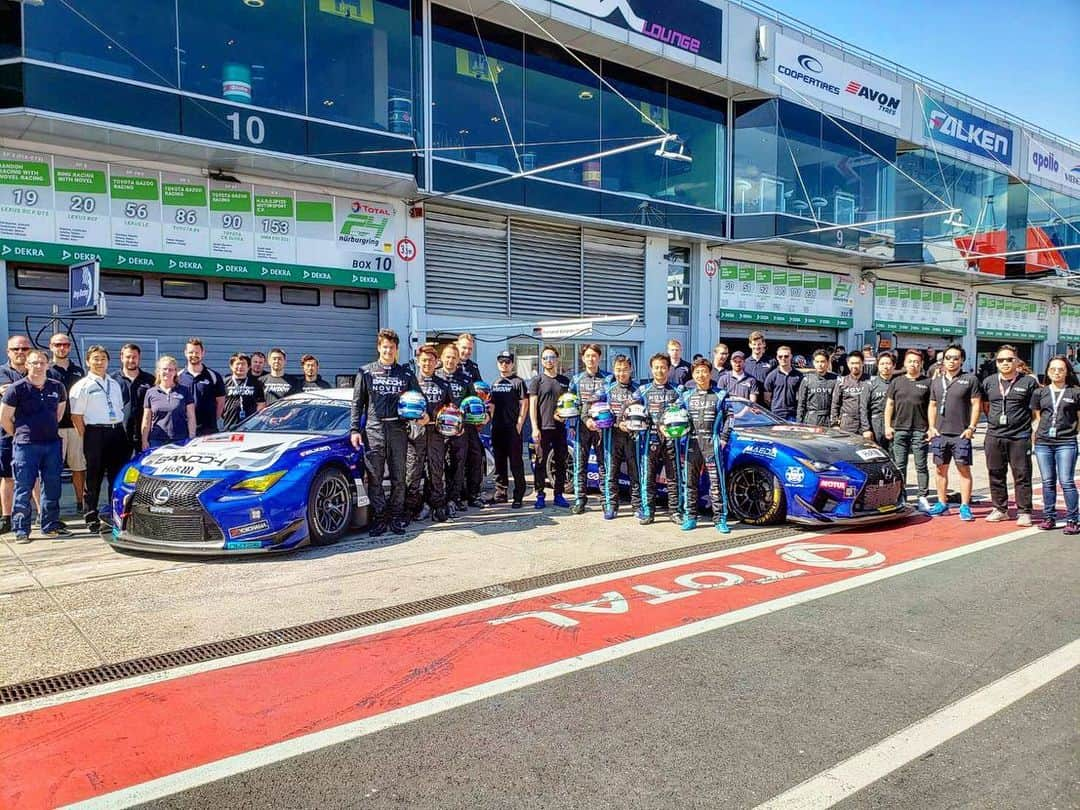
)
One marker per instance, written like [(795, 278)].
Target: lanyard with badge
[(1055, 403), (1003, 419), (108, 400), (239, 394), (945, 393)]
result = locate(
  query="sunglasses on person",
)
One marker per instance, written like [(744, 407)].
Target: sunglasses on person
[(1006, 359), (18, 348), (549, 357), (953, 357)]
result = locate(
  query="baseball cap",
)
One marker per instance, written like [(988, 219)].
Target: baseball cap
[(504, 355), (740, 355)]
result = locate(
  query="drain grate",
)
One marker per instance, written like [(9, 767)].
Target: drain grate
[(107, 673)]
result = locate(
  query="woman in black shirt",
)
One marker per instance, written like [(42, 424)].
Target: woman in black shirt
[(1054, 426)]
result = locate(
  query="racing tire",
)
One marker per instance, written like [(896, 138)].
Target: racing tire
[(756, 495), (330, 506)]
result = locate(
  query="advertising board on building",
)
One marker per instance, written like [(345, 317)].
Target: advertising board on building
[(998, 316), (1053, 163), (756, 294), (945, 124), (916, 309)]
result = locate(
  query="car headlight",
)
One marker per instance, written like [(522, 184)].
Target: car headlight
[(816, 466), (259, 483), (131, 475)]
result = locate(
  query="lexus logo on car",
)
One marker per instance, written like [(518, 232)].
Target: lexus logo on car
[(161, 495), (807, 62)]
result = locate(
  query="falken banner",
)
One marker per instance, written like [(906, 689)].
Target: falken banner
[(825, 78), (693, 27), (945, 124), (1053, 163)]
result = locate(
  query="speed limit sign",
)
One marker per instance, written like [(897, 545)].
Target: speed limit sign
[(711, 266), (406, 249)]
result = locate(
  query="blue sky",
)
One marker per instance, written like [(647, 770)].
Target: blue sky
[(1020, 55)]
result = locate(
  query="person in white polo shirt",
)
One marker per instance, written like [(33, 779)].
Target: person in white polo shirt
[(97, 411)]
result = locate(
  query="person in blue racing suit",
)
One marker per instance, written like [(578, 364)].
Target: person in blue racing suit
[(657, 450), (707, 407), (588, 385), (619, 443)]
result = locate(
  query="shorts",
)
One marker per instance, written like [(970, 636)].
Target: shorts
[(951, 448), (72, 444), (6, 447)]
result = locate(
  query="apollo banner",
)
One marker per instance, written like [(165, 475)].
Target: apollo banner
[(1053, 163), (825, 78)]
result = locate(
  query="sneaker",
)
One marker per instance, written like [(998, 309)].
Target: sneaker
[(965, 513), (425, 512), (722, 526), (1023, 519), (461, 506), (377, 529), (923, 505), (499, 497), (609, 514), (5, 524), (398, 526), (439, 515), (938, 509), (561, 502), (1072, 527), (22, 537), (1047, 525), (689, 524), (93, 526), (578, 508), (58, 531), (675, 518), (646, 519), (541, 502), (996, 516), (515, 505), (476, 503)]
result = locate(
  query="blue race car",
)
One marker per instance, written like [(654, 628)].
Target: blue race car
[(808, 475), (286, 477)]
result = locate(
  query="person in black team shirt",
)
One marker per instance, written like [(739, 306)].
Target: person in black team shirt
[(18, 347), (134, 382), (312, 381), (376, 427), (720, 354), (206, 386), (276, 383), (65, 371), (955, 403), (756, 365), (243, 393), (426, 469), (549, 436), (781, 387), (814, 400), (258, 365), (1056, 408), (457, 446), (1010, 396), (906, 421), (737, 382), (510, 406), (680, 369), (474, 448)]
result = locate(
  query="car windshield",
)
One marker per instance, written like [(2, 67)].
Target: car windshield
[(750, 415), (300, 415)]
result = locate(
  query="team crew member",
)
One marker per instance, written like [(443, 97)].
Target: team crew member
[(31, 413), (737, 382), (206, 386), (168, 409), (877, 395), (426, 467), (756, 365), (243, 393), (850, 408), (838, 361), (588, 385), (814, 401), (549, 437), (312, 381), (680, 369), (707, 408), (97, 405), (18, 347), (377, 428), (258, 365), (1056, 408), (474, 448), (720, 355), (134, 382), (69, 373), (276, 383), (869, 362), (1010, 397), (906, 421), (510, 406), (659, 452), (781, 389), (460, 387), (622, 443), (955, 404)]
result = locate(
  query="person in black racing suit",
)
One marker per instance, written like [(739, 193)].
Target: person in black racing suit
[(658, 451), (456, 446), (377, 428), (621, 443), (707, 407), (850, 402), (426, 467), (815, 394), (474, 448), (588, 385)]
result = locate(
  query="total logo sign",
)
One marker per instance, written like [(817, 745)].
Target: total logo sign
[(814, 73), (1053, 163)]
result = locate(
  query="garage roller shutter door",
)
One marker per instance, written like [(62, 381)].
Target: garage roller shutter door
[(465, 262), (545, 269), (614, 273)]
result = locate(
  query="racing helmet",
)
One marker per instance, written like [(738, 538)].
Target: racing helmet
[(483, 390), (411, 405), (450, 421), (636, 417), (474, 410), (676, 422), (568, 406), (601, 414)]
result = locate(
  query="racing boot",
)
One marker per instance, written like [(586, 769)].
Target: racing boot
[(438, 515), (561, 502), (689, 524), (645, 517), (377, 528), (398, 526), (722, 526), (609, 514), (578, 508)]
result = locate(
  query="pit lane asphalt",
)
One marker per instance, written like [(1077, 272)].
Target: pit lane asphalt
[(737, 716)]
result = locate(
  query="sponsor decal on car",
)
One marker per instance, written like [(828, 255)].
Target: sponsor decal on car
[(255, 514), (795, 475), (759, 450), (322, 449), (871, 454), (798, 428), (249, 528), (833, 484), (237, 544)]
